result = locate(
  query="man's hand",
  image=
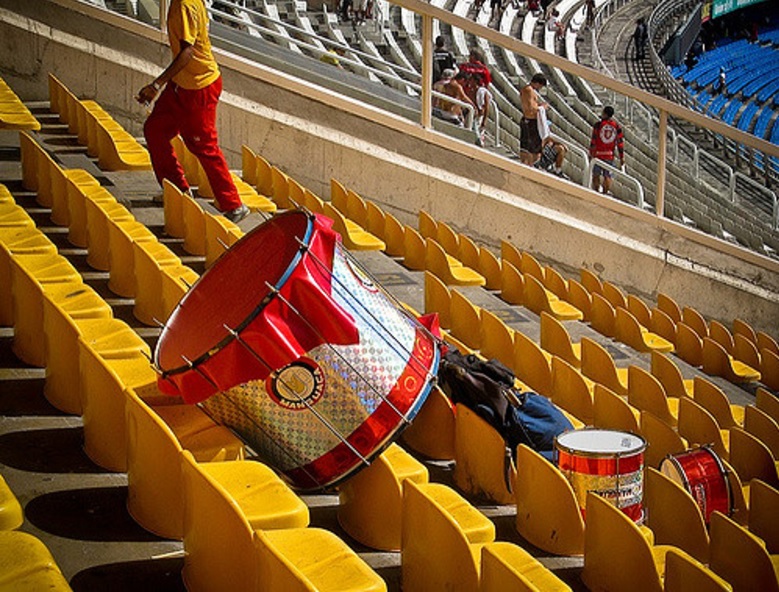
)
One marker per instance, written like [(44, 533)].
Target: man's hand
[(147, 94)]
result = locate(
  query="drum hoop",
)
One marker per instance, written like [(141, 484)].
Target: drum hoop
[(233, 332), (594, 454), (725, 475), (680, 469)]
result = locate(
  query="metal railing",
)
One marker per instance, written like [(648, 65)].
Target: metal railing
[(618, 174), (286, 37)]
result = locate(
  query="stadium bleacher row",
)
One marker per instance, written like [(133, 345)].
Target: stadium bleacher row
[(242, 528)]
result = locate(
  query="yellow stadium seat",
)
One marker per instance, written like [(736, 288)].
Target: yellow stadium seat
[(713, 399), (598, 366), (303, 559), (717, 362), (662, 325), (103, 380), (571, 391), (532, 364), (11, 513), (764, 514), (442, 537), (684, 574), (674, 516), (466, 320), (482, 466), (628, 330), (26, 564), (224, 503), (556, 340), (645, 393), (740, 558), (548, 514), (539, 299), (661, 438), (698, 426), (765, 401), (617, 556), (669, 306), (438, 299), (612, 412), (371, 501), (602, 316), (432, 431), (156, 435), (448, 269), (497, 339), (751, 458), (506, 566), (512, 284), (665, 370)]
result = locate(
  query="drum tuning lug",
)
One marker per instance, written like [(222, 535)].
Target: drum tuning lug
[(157, 322), (225, 246), (230, 330), (303, 246), (271, 288)]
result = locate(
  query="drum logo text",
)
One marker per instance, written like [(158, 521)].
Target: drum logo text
[(298, 385)]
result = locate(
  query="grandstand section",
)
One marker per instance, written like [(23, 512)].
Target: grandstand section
[(554, 257)]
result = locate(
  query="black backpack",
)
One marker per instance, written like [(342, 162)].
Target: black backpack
[(487, 387)]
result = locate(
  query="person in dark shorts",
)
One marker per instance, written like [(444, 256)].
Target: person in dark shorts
[(552, 157), (530, 138)]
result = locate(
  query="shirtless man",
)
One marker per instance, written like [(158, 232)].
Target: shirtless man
[(448, 110), (530, 138)]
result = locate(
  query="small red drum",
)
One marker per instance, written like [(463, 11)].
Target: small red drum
[(701, 472), (288, 341), (609, 463)]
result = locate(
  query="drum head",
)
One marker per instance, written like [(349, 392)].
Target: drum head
[(599, 442), (230, 292)]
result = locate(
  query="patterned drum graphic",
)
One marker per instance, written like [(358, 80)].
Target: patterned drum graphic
[(287, 341), (607, 462), (701, 472)]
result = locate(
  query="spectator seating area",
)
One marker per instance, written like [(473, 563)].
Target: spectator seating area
[(574, 107), (198, 487), (750, 100)]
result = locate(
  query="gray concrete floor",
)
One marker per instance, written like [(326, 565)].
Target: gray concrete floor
[(79, 510)]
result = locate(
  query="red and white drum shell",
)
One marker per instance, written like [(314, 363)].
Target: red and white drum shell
[(607, 462), (288, 341), (701, 472)]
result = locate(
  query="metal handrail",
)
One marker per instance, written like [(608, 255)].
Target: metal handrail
[(467, 107), (622, 175)]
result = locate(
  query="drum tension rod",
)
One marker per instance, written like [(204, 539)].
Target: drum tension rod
[(194, 367)]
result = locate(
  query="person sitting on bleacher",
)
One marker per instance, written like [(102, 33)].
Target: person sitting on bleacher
[(448, 110)]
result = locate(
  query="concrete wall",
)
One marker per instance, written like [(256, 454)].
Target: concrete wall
[(314, 135)]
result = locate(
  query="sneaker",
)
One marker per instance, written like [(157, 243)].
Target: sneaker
[(237, 214)]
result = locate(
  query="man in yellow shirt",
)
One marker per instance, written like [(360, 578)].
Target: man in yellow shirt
[(187, 107)]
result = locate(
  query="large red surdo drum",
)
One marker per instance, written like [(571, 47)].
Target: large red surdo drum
[(287, 341)]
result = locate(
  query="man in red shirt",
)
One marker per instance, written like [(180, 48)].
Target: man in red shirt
[(606, 138), (187, 107)]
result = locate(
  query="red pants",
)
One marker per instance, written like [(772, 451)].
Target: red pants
[(191, 114)]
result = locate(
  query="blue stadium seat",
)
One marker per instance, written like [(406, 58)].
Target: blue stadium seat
[(761, 125), (729, 115), (747, 116)]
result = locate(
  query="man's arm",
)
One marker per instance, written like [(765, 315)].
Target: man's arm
[(149, 92)]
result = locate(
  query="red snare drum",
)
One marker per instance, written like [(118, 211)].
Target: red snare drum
[(606, 462), (701, 472), (288, 341)]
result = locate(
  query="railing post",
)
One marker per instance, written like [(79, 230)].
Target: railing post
[(163, 15), (662, 145), (427, 71)]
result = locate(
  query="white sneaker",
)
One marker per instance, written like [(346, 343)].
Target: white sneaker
[(237, 214)]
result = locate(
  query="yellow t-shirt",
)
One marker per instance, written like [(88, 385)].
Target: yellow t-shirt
[(188, 22)]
